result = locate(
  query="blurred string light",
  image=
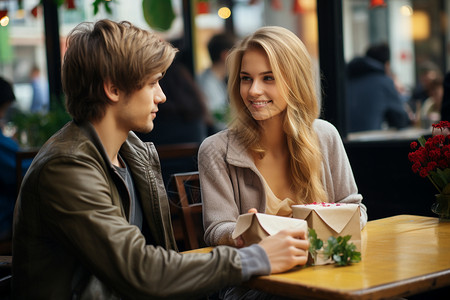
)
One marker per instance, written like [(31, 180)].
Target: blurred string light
[(20, 14), (377, 3), (406, 10), (4, 21), (224, 12)]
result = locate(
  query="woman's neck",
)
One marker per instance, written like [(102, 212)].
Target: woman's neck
[(273, 137)]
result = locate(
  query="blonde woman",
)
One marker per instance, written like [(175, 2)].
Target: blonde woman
[(276, 152)]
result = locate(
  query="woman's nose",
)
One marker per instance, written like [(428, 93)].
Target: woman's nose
[(255, 88)]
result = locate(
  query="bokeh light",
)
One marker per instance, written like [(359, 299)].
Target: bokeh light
[(224, 12), (4, 21)]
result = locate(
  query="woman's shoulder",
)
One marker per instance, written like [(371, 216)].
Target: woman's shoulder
[(217, 141), (324, 127), (326, 132)]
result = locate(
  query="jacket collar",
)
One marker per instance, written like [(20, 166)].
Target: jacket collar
[(133, 148), (89, 131), (237, 154)]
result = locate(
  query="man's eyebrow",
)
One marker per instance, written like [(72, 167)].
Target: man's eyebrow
[(160, 76)]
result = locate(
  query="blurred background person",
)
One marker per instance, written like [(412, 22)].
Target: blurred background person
[(183, 118), (213, 80), (8, 184), (445, 109), (428, 74), (373, 99), (40, 98), (429, 112)]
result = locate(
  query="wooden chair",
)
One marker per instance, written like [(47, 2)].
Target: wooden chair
[(177, 150), (177, 158), (5, 276), (186, 204)]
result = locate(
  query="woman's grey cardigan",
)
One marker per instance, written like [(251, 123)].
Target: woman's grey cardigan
[(231, 184)]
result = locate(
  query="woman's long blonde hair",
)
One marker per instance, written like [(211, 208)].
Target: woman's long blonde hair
[(294, 76)]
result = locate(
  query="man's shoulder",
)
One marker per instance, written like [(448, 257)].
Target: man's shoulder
[(68, 142)]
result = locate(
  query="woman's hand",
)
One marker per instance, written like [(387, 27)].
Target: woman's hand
[(239, 241), (252, 211)]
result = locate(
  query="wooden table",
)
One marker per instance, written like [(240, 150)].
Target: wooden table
[(401, 256)]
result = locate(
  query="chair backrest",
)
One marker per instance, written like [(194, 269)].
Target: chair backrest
[(187, 204), (177, 158), (5, 277), (177, 150)]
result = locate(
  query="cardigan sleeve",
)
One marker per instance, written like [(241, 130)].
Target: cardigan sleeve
[(220, 210), (338, 178)]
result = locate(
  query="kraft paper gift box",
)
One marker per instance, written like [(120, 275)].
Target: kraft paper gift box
[(255, 226), (331, 219)]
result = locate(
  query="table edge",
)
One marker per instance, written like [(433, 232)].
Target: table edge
[(411, 286)]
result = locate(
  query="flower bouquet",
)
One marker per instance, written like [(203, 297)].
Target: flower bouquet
[(431, 158)]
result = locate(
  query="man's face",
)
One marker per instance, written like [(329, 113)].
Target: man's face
[(138, 110)]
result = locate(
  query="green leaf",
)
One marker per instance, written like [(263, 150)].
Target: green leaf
[(107, 7), (39, 127), (422, 141), (437, 180), (446, 189), (58, 2), (356, 257), (314, 243), (158, 14), (96, 4), (342, 252), (443, 176)]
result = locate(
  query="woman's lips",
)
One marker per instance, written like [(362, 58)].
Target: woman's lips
[(259, 103)]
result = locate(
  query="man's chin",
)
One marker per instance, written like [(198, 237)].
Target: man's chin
[(144, 130)]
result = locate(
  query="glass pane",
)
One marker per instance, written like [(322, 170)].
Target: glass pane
[(246, 17), (413, 31)]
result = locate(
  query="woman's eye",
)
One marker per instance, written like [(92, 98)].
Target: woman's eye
[(269, 78), (245, 78)]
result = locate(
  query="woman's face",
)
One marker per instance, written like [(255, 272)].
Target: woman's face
[(257, 86)]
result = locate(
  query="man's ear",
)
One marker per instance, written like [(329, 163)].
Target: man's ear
[(111, 91)]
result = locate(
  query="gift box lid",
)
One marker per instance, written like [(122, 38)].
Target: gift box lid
[(335, 215), (269, 223)]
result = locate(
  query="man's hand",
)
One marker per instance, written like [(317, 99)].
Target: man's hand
[(286, 249)]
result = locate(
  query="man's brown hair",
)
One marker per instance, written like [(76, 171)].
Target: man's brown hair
[(118, 52)]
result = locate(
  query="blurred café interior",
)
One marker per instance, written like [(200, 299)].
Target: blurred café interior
[(335, 32), (32, 40)]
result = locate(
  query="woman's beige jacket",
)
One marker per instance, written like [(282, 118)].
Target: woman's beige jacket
[(231, 184)]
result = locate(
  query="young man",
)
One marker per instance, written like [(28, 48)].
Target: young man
[(92, 219)]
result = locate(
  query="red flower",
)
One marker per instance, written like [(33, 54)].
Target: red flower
[(431, 158), (423, 173), (442, 125)]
